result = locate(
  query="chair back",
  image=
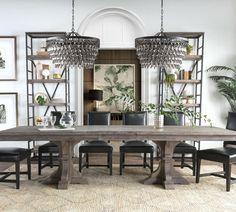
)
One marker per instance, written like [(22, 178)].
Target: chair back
[(58, 115), (135, 118), (231, 125), (171, 121), (99, 118)]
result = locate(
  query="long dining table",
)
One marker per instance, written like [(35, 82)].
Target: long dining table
[(167, 138)]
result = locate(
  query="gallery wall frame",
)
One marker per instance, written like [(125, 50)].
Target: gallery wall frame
[(8, 58), (118, 84), (8, 110)]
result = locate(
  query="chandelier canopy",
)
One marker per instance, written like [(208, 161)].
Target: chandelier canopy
[(161, 50), (72, 49)]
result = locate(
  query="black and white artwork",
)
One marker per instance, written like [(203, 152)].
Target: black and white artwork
[(2, 114), (8, 110), (7, 58), (2, 59)]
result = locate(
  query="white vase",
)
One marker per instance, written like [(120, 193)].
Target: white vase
[(158, 121)]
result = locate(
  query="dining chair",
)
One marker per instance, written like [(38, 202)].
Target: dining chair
[(96, 146), (182, 148), (136, 146), (16, 155), (225, 155)]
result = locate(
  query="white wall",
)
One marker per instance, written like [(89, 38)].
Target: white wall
[(216, 18)]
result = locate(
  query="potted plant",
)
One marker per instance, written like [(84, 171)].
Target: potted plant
[(174, 108), (226, 83), (174, 105), (189, 49), (169, 79)]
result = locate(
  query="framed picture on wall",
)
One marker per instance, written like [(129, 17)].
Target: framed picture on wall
[(118, 84), (8, 110), (7, 58)]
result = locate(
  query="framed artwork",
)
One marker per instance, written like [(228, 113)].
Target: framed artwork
[(7, 58), (117, 82), (8, 110)]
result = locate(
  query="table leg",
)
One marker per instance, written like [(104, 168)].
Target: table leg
[(68, 174), (165, 173)]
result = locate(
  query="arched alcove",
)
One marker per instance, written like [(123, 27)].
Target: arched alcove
[(116, 28)]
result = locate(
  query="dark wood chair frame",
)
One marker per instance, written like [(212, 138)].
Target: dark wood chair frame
[(17, 171), (145, 148), (97, 146), (225, 155)]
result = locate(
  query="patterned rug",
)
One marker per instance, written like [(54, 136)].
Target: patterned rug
[(118, 193)]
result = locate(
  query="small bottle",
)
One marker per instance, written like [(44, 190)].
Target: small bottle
[(186, 75)]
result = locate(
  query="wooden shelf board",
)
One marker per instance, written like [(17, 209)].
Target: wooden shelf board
[(192, 57), (187, 81), (186, 34), (39, 57), (48, 81), (44, 34), (47, 104)]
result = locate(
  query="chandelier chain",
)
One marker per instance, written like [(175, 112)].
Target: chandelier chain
[(73, 16), (162, 17)]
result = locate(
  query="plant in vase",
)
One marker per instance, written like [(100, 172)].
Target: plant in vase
[(189, 49), (169, 81), (174, 105), (171, 108)]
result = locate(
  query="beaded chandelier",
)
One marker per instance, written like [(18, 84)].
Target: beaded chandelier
[(72, 49), (161, 50)]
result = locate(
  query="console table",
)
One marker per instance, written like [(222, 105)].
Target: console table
[(167, 138)]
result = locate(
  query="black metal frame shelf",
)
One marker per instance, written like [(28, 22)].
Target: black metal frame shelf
[(31, 58), (49, 86), (180, 85)]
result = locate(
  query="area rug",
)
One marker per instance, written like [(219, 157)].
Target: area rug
[(117, 193)]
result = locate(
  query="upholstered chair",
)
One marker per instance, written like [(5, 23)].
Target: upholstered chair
[(225, 155), (96, 146), (15, 155), (136, 146)]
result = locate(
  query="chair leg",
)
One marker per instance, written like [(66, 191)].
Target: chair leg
[(51, 160), (194, 163), (121, 161), (224, 169), (151, 162), (87, 160), (110, 162), (80, 161), (144, 160), (182, 161), (29, 166), (228, 175), (17, 166), (39, 163), (198, 170)]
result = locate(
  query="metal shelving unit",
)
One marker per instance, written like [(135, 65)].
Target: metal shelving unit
[(195, 83), (51, 87)]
